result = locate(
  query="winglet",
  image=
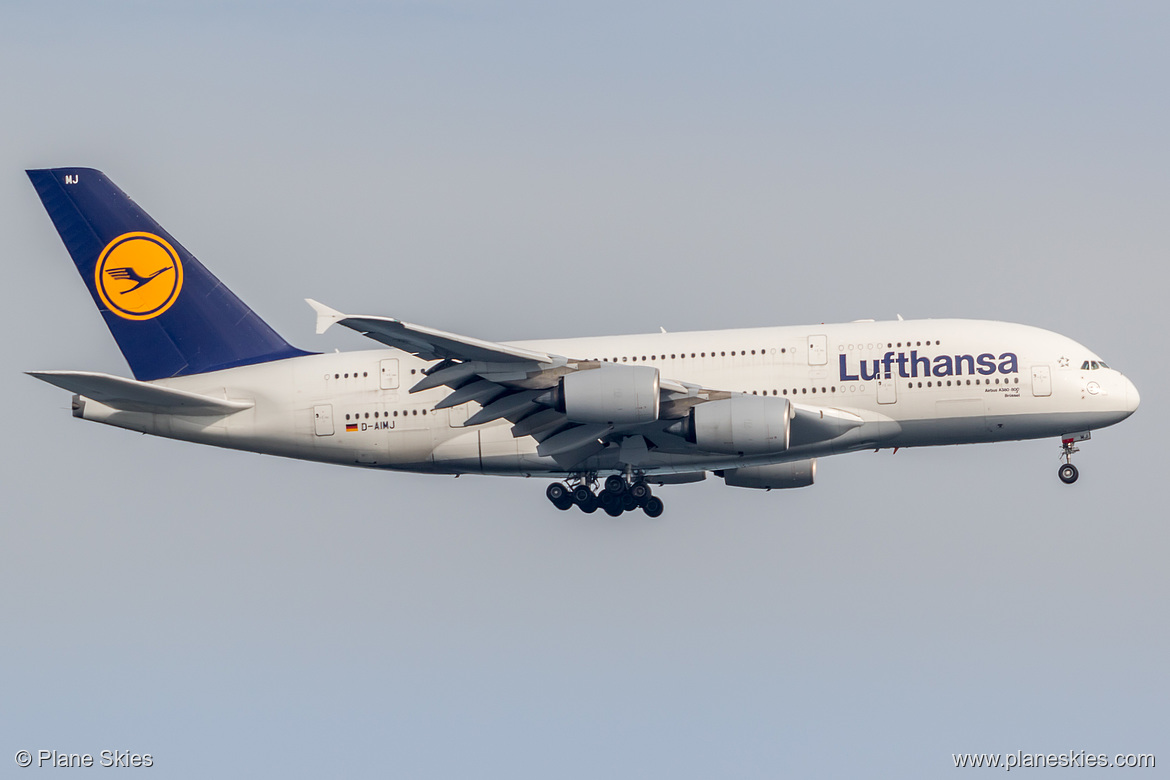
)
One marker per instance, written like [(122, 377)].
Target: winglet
[(325, 315)]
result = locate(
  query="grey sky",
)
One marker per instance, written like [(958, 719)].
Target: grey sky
[(531, 170)]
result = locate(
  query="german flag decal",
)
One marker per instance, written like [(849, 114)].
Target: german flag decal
[(350, 427)]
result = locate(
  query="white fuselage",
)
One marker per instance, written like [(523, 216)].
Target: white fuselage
[(914, 383)]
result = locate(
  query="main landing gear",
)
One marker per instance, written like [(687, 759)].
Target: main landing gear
[(617, 496), (1068, 472)]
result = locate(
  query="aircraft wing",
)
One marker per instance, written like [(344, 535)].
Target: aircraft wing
[(522, 386), (426, 343)]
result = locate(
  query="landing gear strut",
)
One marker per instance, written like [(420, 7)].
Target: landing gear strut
[(621, 493), (1068, 472)]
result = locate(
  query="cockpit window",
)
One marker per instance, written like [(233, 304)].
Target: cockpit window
[(1085, 366), (1102, 364), (1094, 365)]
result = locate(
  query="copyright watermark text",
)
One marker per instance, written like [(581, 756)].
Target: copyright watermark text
[(103, 758), (1070, 759)]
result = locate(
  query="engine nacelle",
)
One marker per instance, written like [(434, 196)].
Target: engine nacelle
[(623, 395), (774, 476), (741, 424)]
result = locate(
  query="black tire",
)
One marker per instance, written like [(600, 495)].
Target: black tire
[(556, 491), (589, 507), (564, 503), (640, 491), (653, 506), (629, 502), (582, 494), (1068, 473), (614, 510), (615, 484), (607, 499)]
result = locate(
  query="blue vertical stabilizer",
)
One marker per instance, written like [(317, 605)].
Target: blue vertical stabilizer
[(169, 314)]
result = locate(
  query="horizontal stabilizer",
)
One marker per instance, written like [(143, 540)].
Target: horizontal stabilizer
[(130, 395)]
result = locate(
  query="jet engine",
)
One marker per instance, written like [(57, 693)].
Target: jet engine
[(741, 424), (621, 395), (799, 473)]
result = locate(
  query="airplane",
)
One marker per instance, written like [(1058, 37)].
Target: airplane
[(607, 418)]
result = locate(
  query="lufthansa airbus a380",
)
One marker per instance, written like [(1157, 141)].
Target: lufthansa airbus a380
[(756, 407)]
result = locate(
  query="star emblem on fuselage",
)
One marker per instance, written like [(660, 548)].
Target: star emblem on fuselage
[(1063, 362)]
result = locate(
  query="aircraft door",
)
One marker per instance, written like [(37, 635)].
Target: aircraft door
[(1041, 381), (390, 374), (457, 415), (887, 390), (323, 419), (818, 350)]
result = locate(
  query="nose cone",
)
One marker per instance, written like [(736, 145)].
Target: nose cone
[(1132, 399)]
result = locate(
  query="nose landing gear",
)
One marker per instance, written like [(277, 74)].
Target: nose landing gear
[(1068, 445), (620, 494)]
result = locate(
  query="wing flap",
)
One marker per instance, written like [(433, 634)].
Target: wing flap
[(502, 407), (573, 439)]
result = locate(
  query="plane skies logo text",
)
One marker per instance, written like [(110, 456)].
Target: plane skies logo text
[(909, 366)]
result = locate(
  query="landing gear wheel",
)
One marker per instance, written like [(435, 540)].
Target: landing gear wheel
[(629, 502), (559, 495), (609, 499), (1068, 473), (640, 491), (653, 506), (615, 484), (613, 510), (582, 494)]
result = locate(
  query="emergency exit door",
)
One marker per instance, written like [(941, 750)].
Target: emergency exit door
[(323, 419), (1041, 381), (390, 374), (818, 350)]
